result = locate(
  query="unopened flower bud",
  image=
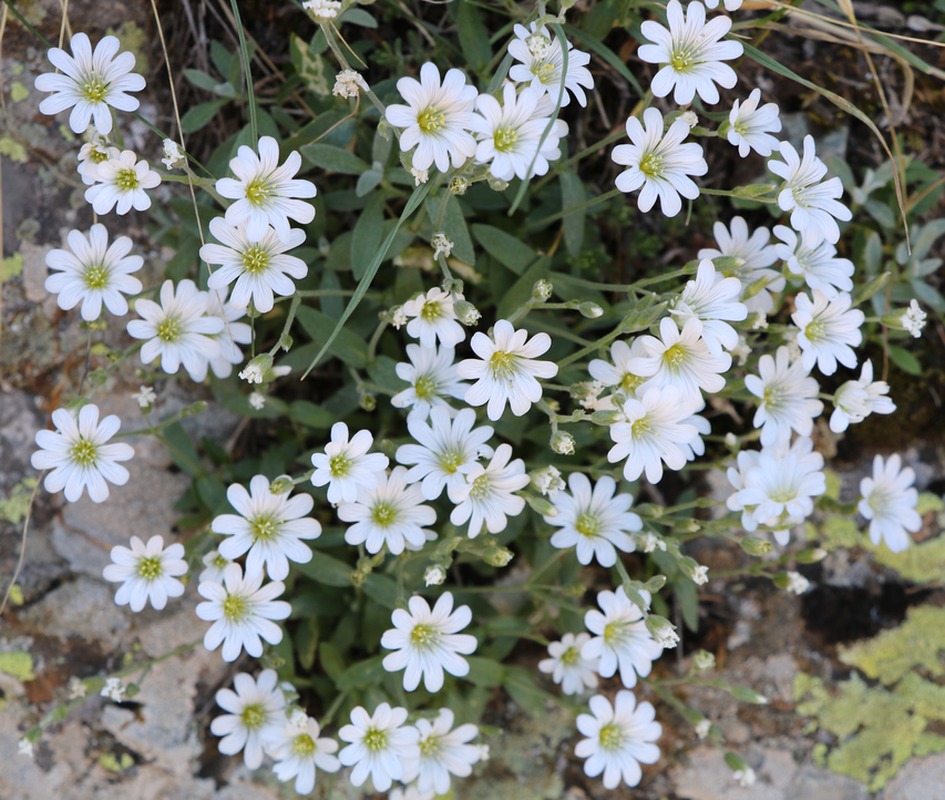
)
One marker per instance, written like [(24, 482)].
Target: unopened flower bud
[(256, 369), (542, 290), (367, 401), (434, 575), (755, 546), (702, 727), (703, 660), (690, 118), (499, 556), (496, 184), (562, 443), (548, 481), (590, 310), (662, 630), (466, 312), (458, 186), (281, 485)]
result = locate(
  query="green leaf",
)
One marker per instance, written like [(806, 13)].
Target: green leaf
[(199, 116), (364, 673), (454, 226), (504, 248), (306, 643), (485, 672), (346, 345), (311, 415), (520, 684), (331, 660), (368, 233), (573, 211), (334, 159), (521, 290), (201, 79), (473, 36), (687, 599), (368, 182), (327, 570), (358, 16), (419, 193), (381, 589), (903, 359)]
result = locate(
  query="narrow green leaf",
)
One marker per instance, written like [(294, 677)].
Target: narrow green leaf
[(201, 79), (327, 570), (573, 211), (419, 193), (903, 359), (381, 589), (368, 233), (331, 660), (198, 116), (473, 36), (521, 290), (504, 248), (687, 599), (454, 226), (346, 345), (334, 159), (485, 672), (362, 674)]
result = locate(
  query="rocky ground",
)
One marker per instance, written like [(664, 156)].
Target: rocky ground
[(157, 744)]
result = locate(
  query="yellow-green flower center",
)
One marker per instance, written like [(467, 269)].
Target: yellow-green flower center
[(815, 330), (674, 356), (587, 525), (219, 561), (611, 736), (740, 127), (630, 382), (505, 139), (84, 452), (94, 89), (570, 656), (303, 745), (450, 460), (97, 156), (383, 514), (375, 739), (96, 276), (423, 636), (257, 192), (683, 59), (431, 310), (544, 71), (502, 364), (425, 387), (253, 716), (149, 568), (255, 259), (169, 329), (235, 607), (480, 487), (651, 165), (613, 633), (431, 120), (641, 427), (339, 465), (430, 746), (264, 527), (127, 179)]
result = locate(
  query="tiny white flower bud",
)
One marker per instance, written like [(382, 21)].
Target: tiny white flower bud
[(434, 575), (173, 157), (348, 83), (562, 443), (24, 747), (703, 726), (703, 660), (419, 175), (797, 583), (257, 400), (913, 319), (542, 290), (322, 10), (744, 777), (548, 481), (113, 689), (690, 118), (441, 245), (458, 186), (145, 397)]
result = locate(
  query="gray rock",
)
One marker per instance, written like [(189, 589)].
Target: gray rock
[(920, 778)]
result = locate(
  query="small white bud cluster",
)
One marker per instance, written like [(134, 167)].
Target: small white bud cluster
[(348, 83), (322, 10)]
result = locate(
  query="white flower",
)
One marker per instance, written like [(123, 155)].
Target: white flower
[(620, 737), (818, 265), (432, 317), (233, 334), (347, 466), (489, 497), (855, 400), (241, 610), (660, 164), (257, 401), (94, 273), (91, 154), (913, 319), (178, 330), (619, 374), (797, 583), (256, 709), (121, 183), (547, 481), (259, 268), (322, 10), (434, 575), (681, 359), (754, 255), (214, 567), (813, 202), (437, 118), (510, 135), (657, 430), (442, 752), (145, 396), (593, 520), (445, 452), (542, 61), (299, 752), (889, 502), (568, 667), (265, 192), (691, 52), (713, 299), (173, 157), (348, 83), (788, 397), (702, 728), (751, 127), (113, 689), (390, 513), (380, 746), (506, 370), (270, 528), (776, 487), (147, 573), (744, 777), (700, 575), (432, 376), (829, 330), (24, 747), (730, 5), (428, 643), (622, 640), (92, 83), (79, 455)]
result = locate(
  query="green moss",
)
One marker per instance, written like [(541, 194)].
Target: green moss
[(19, 665), (12, 266)]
